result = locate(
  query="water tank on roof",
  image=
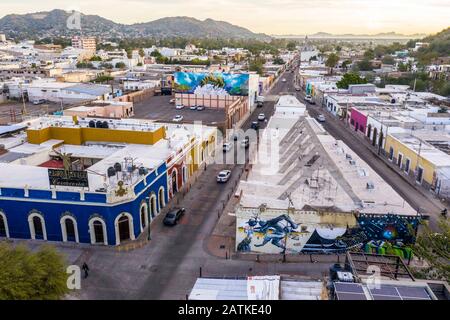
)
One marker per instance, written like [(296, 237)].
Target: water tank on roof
[(111, 172), (117, 167), (105, 125), (92, 124), (143, 171), (99, 124)]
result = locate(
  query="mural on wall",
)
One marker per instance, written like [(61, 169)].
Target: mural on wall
[(311, 232), (215, 83)]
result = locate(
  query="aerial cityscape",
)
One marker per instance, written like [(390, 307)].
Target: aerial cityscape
[(197, 152)]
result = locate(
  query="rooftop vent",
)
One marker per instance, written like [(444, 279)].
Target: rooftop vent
[(370, 185)]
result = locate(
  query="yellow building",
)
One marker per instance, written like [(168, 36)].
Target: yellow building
[(417, 157)]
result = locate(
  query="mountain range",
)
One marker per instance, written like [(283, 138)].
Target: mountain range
[(384, 35), (54, 24)]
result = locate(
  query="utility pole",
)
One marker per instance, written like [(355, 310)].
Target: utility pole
[(24, 110)]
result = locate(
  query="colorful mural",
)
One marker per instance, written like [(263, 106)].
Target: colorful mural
[(215, 83), (311, 232)]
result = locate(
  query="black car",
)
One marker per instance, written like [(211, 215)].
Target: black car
[(173, 216), (255, 125)]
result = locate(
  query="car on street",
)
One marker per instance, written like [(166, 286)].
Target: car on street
[(172, 101), (223, 176), (227, 146), (321, 118), (297, 89), (309, 99), (200, 108), (178, 118), (38, 101), (193, 107), (255, 125), (179, 106), (173, 216), (284, 80), (261, 117)]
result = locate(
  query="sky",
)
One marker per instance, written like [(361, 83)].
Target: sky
[(267, 16)]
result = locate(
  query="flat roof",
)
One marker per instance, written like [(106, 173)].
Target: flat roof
[(315, 170)]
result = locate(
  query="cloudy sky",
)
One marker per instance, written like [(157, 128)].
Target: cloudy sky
[(268, 16)]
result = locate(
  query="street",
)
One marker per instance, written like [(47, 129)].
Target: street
[(423, 204)]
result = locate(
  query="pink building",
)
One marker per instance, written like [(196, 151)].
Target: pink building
[(358, 119)]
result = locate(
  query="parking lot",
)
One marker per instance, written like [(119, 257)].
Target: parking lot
[(159, 108), (12, 111)]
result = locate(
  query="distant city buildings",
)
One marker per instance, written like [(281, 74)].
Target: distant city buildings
[(85, 43)]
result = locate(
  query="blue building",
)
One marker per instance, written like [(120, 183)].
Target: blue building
[(99, 192)]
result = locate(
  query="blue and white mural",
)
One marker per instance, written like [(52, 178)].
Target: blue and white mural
[(215, 83)]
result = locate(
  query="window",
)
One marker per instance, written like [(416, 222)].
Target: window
[(391, 153), (407, 165)]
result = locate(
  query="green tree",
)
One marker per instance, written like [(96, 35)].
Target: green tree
[(278, 60), (26, 275), (402, 67), (388, 60), (291, 46), (348, 79), (95, 58), (257, 65), (365, 65), (435, 249), (331, 62), (369, 54), (120, 65), (141, 53)]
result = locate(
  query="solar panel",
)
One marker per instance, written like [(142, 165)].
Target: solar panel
[(351, 296), (349, 291), (392, 292), (380, 297)]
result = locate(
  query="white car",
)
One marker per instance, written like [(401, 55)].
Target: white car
[(284, 80), (227, 146), (179, 106), (261, 117), (177, 118), (321, 118), (223, 176), (193, 107), (172, 101)]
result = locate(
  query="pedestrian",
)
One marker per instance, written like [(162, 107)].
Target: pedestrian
[(85, 269)]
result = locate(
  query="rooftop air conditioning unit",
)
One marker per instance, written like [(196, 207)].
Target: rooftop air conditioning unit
[(370, 185), (352, 162)]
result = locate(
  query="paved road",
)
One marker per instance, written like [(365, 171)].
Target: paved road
[(168, 267), (424, 204)]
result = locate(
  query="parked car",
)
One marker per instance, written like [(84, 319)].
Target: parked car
[(223, 176), (321, 118), (200, 108), (227, 146), (309, 99), (261, 117), (284, 80), (179, 106), (193, 107), (245, 143), (255, 125), (173, 216), (178, 118), (172, 101), (38, 101)]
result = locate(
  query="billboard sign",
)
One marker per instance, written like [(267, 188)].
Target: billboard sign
[(214, 83), (59, 177)]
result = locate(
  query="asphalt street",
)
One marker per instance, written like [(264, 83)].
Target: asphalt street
[(424, 204)]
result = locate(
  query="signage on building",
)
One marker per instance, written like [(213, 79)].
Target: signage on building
[(59, 177), (214, 83)]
